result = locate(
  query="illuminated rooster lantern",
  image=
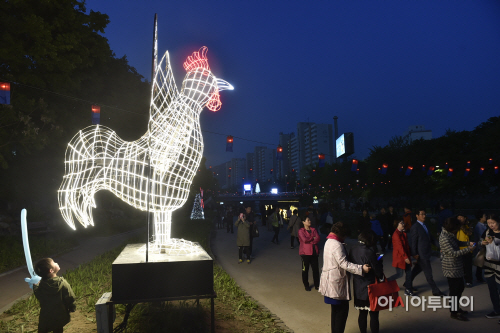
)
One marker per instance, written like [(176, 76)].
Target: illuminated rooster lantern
[(98, 159)]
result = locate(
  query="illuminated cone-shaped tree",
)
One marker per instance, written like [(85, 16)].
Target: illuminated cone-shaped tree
[(197, 212), (257, 188)]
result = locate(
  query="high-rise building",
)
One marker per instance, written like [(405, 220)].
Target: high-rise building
[(311, 140), (264, 163), (250, 174), (283, 166), (238, 171)]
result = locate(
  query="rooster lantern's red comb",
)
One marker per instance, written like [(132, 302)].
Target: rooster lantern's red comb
[(199, 60)]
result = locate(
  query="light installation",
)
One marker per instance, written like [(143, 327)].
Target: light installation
[(166, 157)]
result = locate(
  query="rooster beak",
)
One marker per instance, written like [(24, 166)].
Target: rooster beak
[(224, 85)]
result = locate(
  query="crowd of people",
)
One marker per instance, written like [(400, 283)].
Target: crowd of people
[(413, 243)]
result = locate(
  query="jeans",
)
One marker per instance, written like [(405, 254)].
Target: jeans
[(425, 266), (313, 262), (399, 273), (457, 287), (362, 321), (339, 317), (494, 289)]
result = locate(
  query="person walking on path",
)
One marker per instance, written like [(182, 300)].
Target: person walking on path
[(335, 275), (309, 252), (463, 235), (251, 219), (377, 229), (401, 256), (492, 268), (293, 227), (393, 222), (420, 246), (55, 295), (479, 229), (452, 263), (363, 254), (228, 219), (364, 221), (243, 237), (386, 225), (275, 222), (407, 217)]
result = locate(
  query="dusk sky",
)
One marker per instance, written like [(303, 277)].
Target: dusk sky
[(379, 65)]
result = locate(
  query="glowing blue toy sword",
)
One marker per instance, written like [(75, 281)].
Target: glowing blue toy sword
[(24, 228)]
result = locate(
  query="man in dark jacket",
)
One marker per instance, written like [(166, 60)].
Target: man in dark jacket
[(420, 246)]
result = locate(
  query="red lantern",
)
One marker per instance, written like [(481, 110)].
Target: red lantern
[(4, 93), (229, 143), (96, 115), (279, 153), (321, 160)]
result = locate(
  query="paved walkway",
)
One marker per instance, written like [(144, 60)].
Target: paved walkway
[(13, 287), (274, 279)]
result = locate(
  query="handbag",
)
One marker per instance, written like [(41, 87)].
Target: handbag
[(385, 288), (479, 258), (255, 230), (493, 251)]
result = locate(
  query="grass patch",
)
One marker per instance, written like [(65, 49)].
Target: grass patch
[(234, 310), (42, 245)]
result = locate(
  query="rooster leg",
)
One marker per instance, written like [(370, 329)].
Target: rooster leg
[(163, 226)]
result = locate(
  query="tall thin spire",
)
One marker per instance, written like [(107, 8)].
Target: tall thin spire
[(155, 48)]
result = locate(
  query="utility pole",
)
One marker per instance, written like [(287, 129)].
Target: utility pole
[(336, 126)]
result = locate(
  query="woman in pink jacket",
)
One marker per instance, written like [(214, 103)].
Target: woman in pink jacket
[(334, 283), (309, 252)]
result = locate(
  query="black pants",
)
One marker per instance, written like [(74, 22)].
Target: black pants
[(313, 262), (425, 266), (276, 233), (339, 317), (243, 249), (292, 240), (229, 226), (457, 287), (479, 274), (468, 267), (362, 321)]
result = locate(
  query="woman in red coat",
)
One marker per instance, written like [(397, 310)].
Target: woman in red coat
[(309, 252), (401, 256)]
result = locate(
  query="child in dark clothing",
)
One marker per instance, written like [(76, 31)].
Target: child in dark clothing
[(55, 295)]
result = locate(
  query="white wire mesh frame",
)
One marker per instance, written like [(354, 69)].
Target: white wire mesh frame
[(97, 159)]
